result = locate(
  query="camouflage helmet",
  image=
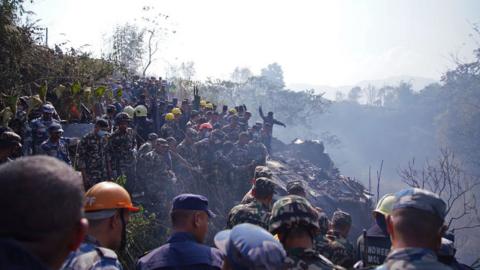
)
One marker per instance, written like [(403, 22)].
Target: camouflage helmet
[(122, 117), (264, 187), (262, 171), (293, 211)]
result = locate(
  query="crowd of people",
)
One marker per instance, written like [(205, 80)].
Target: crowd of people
[(151, 141)]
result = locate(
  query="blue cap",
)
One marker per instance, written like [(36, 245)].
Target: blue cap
[(191, 202), (249, 246), (55, 128), (420, 199)]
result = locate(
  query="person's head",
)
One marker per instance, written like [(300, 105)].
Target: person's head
[(169, 117), (262, 171), (293, 217), (190, 135), (296, 188), (161, 146), (122, 120), (248, 246), (172, 143), (227, 147), (107, 208), (341, 222), (270, 114), (111, 110), (152, 137), (101, 128), (55, 132), (177, 112), (417, 219), (47, 111), (243, 138), (263, 189), (10, 143), (234, 120), (247, 115), (217, 137), (141, 111), (43, 201), (382, 209), (190, 213), (205, 130)]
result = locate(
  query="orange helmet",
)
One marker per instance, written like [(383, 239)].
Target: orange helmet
[(108, 195)]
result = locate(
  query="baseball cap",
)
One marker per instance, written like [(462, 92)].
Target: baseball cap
[(247, 246), (189, 201), (420, 199), (55, 128)]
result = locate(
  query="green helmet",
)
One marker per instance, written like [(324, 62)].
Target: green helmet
[(385, 205), (293, 211)]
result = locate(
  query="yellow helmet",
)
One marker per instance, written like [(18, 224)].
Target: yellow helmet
[(141, 111), (232, 111), (203, 103), (176, 111), (209, 106), (385, 205), (108, 195), (169, 117), (129, 110)]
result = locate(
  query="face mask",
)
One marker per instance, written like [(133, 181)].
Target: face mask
[(102, 133)]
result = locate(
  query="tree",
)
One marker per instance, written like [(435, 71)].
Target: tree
[(355, 94), (127, 47), (447, 178), (273, 74), (241, 75)]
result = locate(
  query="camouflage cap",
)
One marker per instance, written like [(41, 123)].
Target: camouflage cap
[(341, 218), (161, 141), (262, 171), (420, 199), (264, 186), (152, 136), (295, 187), (10, 138), (292, 211)]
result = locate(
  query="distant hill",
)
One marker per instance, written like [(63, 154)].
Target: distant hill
[(418, 83)]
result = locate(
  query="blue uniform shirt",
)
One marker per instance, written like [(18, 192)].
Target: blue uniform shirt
[(181, 252), (93, 257), (57, 150)]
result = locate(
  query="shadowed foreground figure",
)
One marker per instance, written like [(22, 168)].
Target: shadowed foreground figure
[(416, 228), (184, 249), (42, 200)]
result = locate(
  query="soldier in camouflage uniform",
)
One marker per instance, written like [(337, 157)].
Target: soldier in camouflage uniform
[(169, 129), (257, 151), (260, 171), (339, 249), (295, 222), (233, 129), (258, 211), (416, 226), (122, 151), (186, 148), (240, 157), (148, 145), (208, 152), (157, 177), (92, 156)]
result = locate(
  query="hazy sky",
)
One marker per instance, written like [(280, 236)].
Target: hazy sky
[(317, 42)]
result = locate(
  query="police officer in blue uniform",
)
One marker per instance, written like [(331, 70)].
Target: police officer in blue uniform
[(56, 146), (184, 249), (39, 127)]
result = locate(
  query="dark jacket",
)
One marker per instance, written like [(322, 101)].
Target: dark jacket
[(15, 257)]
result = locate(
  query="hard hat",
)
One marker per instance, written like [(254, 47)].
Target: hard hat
[(169, 117), (48, 108), (232, 111), (108, 195), (385, 205), (291, 211), (209, 106), (203, 103), (129, 110), (176, 111), (122, 117), (141, 111)]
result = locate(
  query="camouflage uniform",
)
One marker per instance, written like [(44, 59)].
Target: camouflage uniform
[(307, 259), (412, 258), (39, 134), (121, 149), (93, 257), (258, 152), (260, 171), (168, 130), (156, 177), (232, 132), (188, 152), (92, 158), (144, 149), (295, 211), (254, 212), (337, 248)]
